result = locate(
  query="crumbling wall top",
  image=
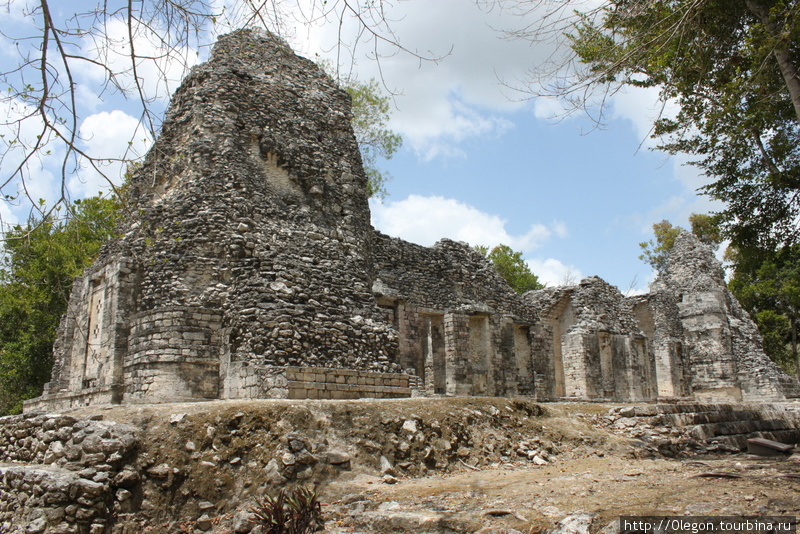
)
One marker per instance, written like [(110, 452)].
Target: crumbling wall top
[(691, 267), (598, 306), (258, 117)]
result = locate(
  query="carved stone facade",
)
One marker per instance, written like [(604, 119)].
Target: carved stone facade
[(248, 268)]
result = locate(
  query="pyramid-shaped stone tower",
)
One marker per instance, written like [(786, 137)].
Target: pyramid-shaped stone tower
[(248, 244)]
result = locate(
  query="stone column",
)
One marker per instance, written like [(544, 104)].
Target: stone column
[(456, 346)]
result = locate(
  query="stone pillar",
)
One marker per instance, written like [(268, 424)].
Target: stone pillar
[(711, 359), (434, 354), (456, 343), (575, 346), (523, 358), (480, 355)]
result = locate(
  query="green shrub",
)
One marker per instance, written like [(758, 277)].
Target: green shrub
[(296, 511)]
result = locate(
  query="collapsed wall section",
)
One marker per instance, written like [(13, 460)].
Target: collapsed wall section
[(462, 330), (592, 345), (61, 474), (248, 268), (249, 240), (92, 338), (723, 358)]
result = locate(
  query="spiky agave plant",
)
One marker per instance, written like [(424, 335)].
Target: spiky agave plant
[(297, 511)]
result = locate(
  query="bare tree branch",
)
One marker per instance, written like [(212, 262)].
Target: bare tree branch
[(137, 49)]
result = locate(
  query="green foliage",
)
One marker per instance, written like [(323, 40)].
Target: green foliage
[(706, 228), (767, 284), (371, 112), (40, 261), (290, 512), (731, 65), (655, 253), (511, 267), (375, 139)]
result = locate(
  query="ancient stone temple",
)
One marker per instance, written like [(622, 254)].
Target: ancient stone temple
[(687, 338), (248, 268)]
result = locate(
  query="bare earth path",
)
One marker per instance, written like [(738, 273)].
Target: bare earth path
[(610, 486)]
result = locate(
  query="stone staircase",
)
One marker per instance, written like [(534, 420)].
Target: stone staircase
[(713, 427)]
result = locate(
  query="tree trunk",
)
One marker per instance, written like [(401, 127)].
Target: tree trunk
[(794, 348), (781, 52)]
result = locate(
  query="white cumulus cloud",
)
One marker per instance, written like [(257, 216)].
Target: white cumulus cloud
[(426, 220), (553, 272), (159, 71), (112, 135)]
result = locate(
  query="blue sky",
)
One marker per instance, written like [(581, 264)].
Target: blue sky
[(481, 162)]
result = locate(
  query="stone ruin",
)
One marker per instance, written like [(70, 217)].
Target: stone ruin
[(248, 268)]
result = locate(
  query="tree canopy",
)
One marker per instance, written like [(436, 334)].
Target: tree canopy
[(371, 114), (731, 66), (767, 284), (655, 253), (375, 139), (512, 267)]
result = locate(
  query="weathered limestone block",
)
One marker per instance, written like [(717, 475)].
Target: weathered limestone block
[(687, 338), (58, 473), (250, 247)]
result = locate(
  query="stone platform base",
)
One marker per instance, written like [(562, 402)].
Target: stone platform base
[(319, 383)]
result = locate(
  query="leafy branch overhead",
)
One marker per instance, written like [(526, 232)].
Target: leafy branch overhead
[(655, 253), (371, 113), (729, 68)]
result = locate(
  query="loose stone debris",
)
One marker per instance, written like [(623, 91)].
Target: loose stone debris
[(82, 472)]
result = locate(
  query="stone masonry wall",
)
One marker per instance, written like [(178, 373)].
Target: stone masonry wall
[(447, 276), (60, 474), (456, 318), (593, 334), (724, 358), (250, 244), (317, 383)]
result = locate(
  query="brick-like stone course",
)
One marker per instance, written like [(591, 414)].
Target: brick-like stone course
[(320, 383)]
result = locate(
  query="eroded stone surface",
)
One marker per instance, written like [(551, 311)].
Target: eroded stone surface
[(248, 268)]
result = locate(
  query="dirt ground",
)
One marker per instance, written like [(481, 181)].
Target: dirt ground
[(534, 498), (456, 467)]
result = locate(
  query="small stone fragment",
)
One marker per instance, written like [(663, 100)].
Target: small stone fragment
[(204, 523), (386, 466), (177, 418), (410, 425)]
